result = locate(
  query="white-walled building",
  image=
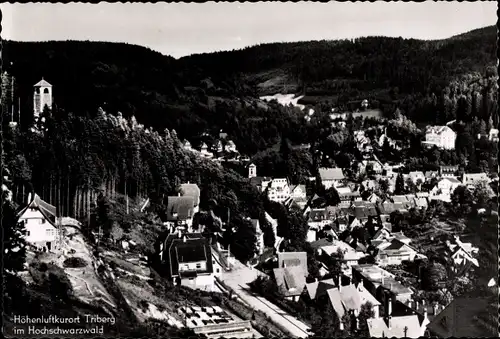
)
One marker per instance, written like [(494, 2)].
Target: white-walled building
[(440, 136), (278, 189), (331, 177), (39, 220), (42, 97)]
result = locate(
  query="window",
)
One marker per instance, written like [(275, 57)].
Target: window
[(218, 270), (42, 221), (46, 91), (198, 265), (28, 233)]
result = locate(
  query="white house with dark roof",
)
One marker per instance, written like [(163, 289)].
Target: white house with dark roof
[(40, 222), (394, 252), (331, 177), (186, 259)]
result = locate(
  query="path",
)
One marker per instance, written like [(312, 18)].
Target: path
[(238, 278)]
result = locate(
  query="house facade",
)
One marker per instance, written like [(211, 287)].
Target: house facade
[(331, 177), (39, 220), (278, 189), (440, 136)]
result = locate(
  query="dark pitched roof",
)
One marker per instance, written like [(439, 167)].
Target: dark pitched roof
[(190, 247), (292, 279), (319, 288), (320, 243), (47, 210), (459, 319), (183, 206), (257, 181)]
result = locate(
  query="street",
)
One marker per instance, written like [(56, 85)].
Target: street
[(238, 278)]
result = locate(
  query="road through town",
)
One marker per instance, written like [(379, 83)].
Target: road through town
[(238, 278)]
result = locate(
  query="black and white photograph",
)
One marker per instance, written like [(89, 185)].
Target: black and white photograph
[(250, 170)]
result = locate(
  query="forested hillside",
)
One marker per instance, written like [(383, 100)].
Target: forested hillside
[(427, 80)]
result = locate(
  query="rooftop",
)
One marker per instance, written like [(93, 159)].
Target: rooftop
[(42, 83), (180, 208), (331, 173), (292, 279), (401, 327)]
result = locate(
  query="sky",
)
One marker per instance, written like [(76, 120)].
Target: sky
[(180, 29)]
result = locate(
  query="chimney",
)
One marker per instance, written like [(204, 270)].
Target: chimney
[(389, 306), (184, 239), (340, 282), (179, 194)]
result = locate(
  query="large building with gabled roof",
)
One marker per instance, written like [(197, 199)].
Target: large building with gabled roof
[(40, 222), (186, 259)]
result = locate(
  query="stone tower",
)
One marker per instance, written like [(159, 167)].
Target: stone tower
[(42, 96)]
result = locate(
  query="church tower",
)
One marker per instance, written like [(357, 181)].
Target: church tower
[(42, 96), (252, 171)]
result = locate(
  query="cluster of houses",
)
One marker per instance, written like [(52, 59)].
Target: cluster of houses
[(222, 149), (332, 229)]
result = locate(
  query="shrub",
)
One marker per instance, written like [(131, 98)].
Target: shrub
[(59, 285), (75, 262)]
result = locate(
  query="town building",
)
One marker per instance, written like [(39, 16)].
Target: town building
[(291, 280), (416, 176), (472, 179), (186, 259), (349, 299), (180, 212), (42, 97), (318, 289), (230, 147), (394, 252), (40, 223), (331, 177), (466, 318), (448, 171), (440, 136), (493, 135), (379, 282), (278, 189)]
